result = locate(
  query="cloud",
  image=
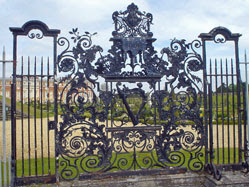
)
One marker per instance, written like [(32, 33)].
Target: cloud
[(184, 20)]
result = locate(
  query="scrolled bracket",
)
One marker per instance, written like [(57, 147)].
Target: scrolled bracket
[(245, 165), (213, 170)]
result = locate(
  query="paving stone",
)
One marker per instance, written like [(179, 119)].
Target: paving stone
[(236, 179)]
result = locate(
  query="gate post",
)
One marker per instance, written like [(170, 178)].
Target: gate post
[(56, 109), (236, 43), (205, 99), (13, 113)]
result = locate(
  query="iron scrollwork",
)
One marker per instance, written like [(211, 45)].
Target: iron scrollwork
[(123, 127), (35, 34), (132, 22), (179, 108)]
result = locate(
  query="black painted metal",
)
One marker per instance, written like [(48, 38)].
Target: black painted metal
[(210, 167), (27, 175), (218, 81), (106, 132), (35, 126), (228, 114), (133, 109), (48, 102), (22, 118), (28, 77)]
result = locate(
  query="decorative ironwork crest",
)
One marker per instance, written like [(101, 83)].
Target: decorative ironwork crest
[(132, 23), (128, 125)]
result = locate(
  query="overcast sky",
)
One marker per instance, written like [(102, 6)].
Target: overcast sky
[(172, 19)]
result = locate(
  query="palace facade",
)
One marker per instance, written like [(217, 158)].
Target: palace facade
[(41, 90)]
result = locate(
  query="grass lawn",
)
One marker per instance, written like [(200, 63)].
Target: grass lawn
[(32, 109)]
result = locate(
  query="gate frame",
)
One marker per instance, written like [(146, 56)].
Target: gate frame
[(208, 135), (211, 36), (24, 31)]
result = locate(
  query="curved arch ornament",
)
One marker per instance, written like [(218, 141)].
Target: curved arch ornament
[(128, 126), (223, 32), (34, 24)]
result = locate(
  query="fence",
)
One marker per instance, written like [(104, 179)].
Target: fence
[(5, 156), (174, 113)]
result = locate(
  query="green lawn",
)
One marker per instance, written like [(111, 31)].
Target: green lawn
[(32, 108), (219, 115), (127, 156)]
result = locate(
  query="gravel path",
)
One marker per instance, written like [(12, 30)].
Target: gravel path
[(50, 137)]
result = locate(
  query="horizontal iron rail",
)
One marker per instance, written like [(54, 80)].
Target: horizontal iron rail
[(144, 128), (208, 75), (17, 76)]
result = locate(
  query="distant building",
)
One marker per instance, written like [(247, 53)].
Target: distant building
[(7, 87), (41, 90)]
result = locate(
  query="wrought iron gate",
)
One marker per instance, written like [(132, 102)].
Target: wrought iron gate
[(131, 110), (223, 94), (33, 88), (147, 114)]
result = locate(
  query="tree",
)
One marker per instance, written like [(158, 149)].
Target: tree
[(234, 87), (222, 88)]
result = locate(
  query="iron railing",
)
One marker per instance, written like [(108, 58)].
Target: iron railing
[(168, 112)]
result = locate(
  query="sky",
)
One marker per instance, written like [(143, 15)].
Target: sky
[(182, 19)]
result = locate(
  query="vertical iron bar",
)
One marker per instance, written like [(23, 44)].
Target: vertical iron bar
[(113, 100), (13, 113), (247, 113), (238, 100), (217, 121), (244, 119), (106, 106), (228, 122), (159, 111), (210, 103), (29, 115), (1, 172), (56, 109), (35, 117), (41, 97), (205, 99), (112, 107), (154, 88), (166, 87), (222, 113), (22, 117), (9, 162), (49, 171), (234, 129), (4, 118)]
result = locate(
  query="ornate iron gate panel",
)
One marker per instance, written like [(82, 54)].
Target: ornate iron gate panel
[(132, 109), (33, 109)]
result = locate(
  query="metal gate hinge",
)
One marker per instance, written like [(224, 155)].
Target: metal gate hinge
[(51, 125)]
